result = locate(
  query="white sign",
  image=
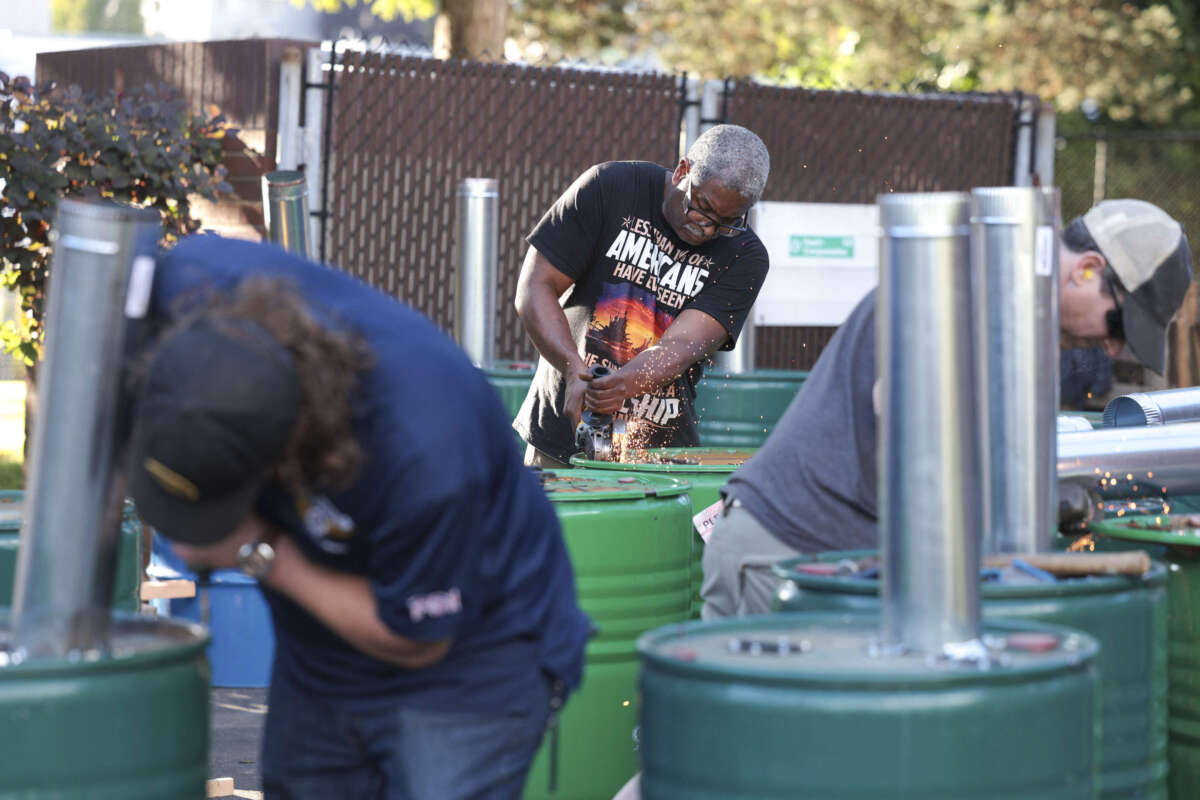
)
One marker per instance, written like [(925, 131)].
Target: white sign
[(824, 258), (706, 519)]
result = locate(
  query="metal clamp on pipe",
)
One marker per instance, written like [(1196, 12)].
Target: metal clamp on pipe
[(1153, 408)]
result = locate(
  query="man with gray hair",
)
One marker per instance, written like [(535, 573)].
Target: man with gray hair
[(657, 269)]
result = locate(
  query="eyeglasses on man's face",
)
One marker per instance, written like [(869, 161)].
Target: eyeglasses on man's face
[(727, 229)]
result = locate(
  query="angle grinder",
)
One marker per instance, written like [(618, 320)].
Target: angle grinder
[(594, 434)]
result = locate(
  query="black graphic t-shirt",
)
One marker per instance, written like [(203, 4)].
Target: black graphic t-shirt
[(633, 276)]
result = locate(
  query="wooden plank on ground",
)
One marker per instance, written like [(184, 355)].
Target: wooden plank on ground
[(220, 787), (168, 589)]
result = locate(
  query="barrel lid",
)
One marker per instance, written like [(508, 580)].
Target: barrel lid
[(676, 460), (583, 485), (1178, 530), (834, 573), (136, 642), (843, 649)]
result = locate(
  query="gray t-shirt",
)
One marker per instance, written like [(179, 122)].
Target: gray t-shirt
[(813, 483)]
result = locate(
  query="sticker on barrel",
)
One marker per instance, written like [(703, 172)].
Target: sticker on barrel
[(707, 519)]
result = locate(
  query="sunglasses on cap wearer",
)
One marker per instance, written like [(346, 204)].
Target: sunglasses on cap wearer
[(726, 229), (1114, 317)]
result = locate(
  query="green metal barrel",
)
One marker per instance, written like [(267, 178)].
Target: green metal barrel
[(1182, 555), (127, 587), (628, 539), (803, 707), (1126, 615), (705, 468), (741, 410), (511, 381), (132, 725)]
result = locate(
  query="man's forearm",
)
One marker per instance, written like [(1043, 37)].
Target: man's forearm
[(547, 328), (345, 604), (657, 366)]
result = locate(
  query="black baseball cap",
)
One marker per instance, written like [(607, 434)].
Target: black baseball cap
[(1149, 252), (216, 411)]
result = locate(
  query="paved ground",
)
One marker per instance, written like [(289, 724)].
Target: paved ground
[(237, 720)]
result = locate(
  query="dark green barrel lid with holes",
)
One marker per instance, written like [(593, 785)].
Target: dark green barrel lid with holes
[(629, 540), (1179, 536), (128, 725), (1126, 615), (804, 707), (128, 582), (705, 468), (740, 410)]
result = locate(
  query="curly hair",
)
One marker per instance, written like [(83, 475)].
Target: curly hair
[(323, 451)]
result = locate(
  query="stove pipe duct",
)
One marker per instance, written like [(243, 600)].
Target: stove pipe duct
[(100, 280), (476, 246), (741, 359), (285, 210), (1014, 262), (1146, 461), (1167, 407), (930, 507)]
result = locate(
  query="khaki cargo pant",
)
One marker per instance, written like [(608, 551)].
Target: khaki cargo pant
[(737, 565)]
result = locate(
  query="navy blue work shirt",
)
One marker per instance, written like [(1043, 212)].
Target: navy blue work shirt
[(455, 536)]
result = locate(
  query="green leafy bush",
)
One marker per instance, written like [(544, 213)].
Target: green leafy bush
[(142, 147)]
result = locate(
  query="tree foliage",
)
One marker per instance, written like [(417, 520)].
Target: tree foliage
[(108, 16), (386, 10), (142, 147), (1117, 58), (1105, 56)]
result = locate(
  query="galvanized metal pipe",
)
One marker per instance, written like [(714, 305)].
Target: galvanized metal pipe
[(101, 273), (1014, 262), (740, 360), (1072, 423), (285, 210), (930, 508), (476, 248), (1167, 407), (1147, 461)]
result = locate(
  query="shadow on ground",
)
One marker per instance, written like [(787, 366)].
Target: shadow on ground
[(237, 723)]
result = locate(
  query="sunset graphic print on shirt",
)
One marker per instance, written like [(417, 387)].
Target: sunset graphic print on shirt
[(649, 282), (625, 322)]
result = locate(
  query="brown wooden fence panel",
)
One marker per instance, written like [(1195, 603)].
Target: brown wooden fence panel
[(849, 147), (405, 131)]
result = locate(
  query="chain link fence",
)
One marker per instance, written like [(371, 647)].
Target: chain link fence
[(1161, 167), (403, 130)]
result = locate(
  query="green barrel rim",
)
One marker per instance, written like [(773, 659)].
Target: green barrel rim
[(683, 454), (1127, 528), (176, 640), (580, 486), (666, 649), (1084, 585)]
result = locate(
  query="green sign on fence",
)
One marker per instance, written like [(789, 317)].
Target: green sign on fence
[(821, 247)]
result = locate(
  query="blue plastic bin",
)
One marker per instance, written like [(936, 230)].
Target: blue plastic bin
[(239, 620)]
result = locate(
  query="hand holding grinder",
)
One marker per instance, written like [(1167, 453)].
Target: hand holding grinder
[(594, 434)]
